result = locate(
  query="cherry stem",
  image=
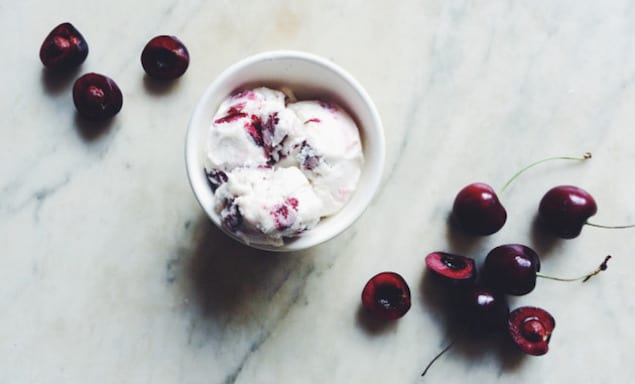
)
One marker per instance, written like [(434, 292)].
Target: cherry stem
[(437, 357), (585, 156), (610, 226), (602, 267)]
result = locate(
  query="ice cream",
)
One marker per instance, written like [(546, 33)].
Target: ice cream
[(277, 166)]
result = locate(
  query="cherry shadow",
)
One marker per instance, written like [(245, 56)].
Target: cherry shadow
[(56, 82), (231, 282), (542, 240), (442, 298), (442, 302), (371, 324), (490, 345), (91, 130), (158, 87), (460, 241)]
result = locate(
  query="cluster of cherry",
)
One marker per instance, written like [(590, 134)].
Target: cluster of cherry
[(97, 97), (509, 269)]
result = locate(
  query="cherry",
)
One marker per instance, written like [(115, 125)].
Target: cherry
[(478, 211), (215, 178), (512, 268), (165, 57), (64, 48), (452, 267), (484, 308), (97, 97), (531, 328), (386, 296), (565, 209)]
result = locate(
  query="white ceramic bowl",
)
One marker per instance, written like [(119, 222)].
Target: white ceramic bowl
[(309, 76)]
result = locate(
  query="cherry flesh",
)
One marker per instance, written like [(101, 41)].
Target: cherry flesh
[(452, 267), (97, 97), (386, 296), (485, 308), (531, 328), (165, 57), (512, 269), (565, 209), (478, 211), (64, 48)]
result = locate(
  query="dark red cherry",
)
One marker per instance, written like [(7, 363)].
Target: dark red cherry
[(451, 266), (386, 296), (511, 268), (565, 209), (485, 308), (215, 178), (530, 328), (64, 48), (165, 57), (478, 211), (97, 97)]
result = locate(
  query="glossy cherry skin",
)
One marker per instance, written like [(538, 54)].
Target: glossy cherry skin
[(165, 57), (478, 211), (97, 97), (386, 296), (531, 328), (64, 48), (484, 308), (565, 209), (452, 267), (512, 268)]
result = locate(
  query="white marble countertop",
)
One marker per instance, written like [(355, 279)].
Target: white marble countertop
[(110, 272)]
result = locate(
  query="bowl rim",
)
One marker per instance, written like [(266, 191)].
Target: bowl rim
[(312, 237)]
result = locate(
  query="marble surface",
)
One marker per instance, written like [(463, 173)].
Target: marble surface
[(111, 273)]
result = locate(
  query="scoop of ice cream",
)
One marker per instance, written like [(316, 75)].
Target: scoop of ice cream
[(266, 205), (249, 129), (331, 153), (277, 168)]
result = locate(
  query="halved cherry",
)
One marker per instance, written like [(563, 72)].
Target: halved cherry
[(451, 266), (165, 57), (530, 328), (63, 48), (386, 296), (97, 97)]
